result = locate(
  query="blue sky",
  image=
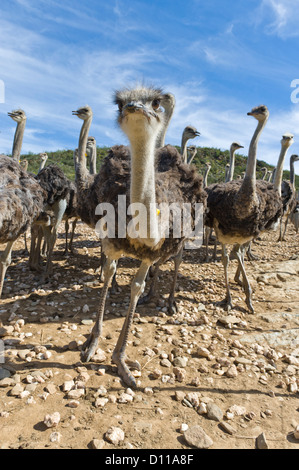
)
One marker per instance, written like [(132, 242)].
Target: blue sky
[(219, 58)]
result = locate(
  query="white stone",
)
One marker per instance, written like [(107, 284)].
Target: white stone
[(115, 435), (52, 420)]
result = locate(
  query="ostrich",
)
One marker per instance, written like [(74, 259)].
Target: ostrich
[(57, 186), (269, 177), (20, 118), (21, 202), (264, 171), (43, 158), (188, 133), (233, 148), (133, 172), (240, 210), (229, 175), (288, 194), (192, 151)]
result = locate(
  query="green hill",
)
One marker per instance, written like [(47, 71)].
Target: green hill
[(217, 158)]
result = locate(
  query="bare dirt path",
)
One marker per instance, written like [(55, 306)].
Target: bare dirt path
[(235, 375)]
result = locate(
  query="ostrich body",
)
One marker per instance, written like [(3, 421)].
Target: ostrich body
[(146, 177), (21, 202), (240, 210)]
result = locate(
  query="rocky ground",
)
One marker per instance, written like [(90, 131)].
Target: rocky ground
[(208, 378)]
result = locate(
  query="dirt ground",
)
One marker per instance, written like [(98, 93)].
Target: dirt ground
[(246, 365)]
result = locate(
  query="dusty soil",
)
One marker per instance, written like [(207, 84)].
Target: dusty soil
[(260, 351)]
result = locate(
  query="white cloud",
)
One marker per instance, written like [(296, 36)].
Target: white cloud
[(285, 16)]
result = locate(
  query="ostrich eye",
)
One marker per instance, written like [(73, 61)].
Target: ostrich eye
[(120, 107), (156, 104)]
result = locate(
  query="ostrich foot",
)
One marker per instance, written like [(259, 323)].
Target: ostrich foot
[(145, 299), (252, 257), (90, 346), (123, 364), (172, 307), (226, 304)]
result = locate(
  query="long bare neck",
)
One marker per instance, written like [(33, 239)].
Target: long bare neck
[(160, 141), (42, 165), (205, 178), (292, 172), (142, 190), (279, 168), (18, 140), (93, 160), (249, 181), (184, 147), (231, 169), (82, 173)]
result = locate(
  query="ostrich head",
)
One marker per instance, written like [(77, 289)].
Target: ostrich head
[(287, 140), (83, 113), (261, 113), (208, 165), (168, 102), (139, 111), (294, 158), (236, 146), (43, 156), (190, 132), (18, 115), (90, 142)]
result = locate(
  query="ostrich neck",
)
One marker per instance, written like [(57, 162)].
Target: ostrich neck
[(81, 170), (42, 165), (249, 181), (160, 142), (93, 160), (142, 188), (246, 199), (292, 172), (279, 168), (231, 169), (184, 148), (18, 140), (205, 179)]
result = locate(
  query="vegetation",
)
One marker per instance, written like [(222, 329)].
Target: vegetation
[(217, 158)]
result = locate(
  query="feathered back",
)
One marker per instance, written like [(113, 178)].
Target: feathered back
[(21, 199), (221, 206), (54, 182)]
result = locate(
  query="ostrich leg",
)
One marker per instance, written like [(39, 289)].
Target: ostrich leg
[(225, 261), (119, 357), (240, 252), (152, 290), (90, 345), (51, 233), (74, 224), (5, 260), (177, 262)]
